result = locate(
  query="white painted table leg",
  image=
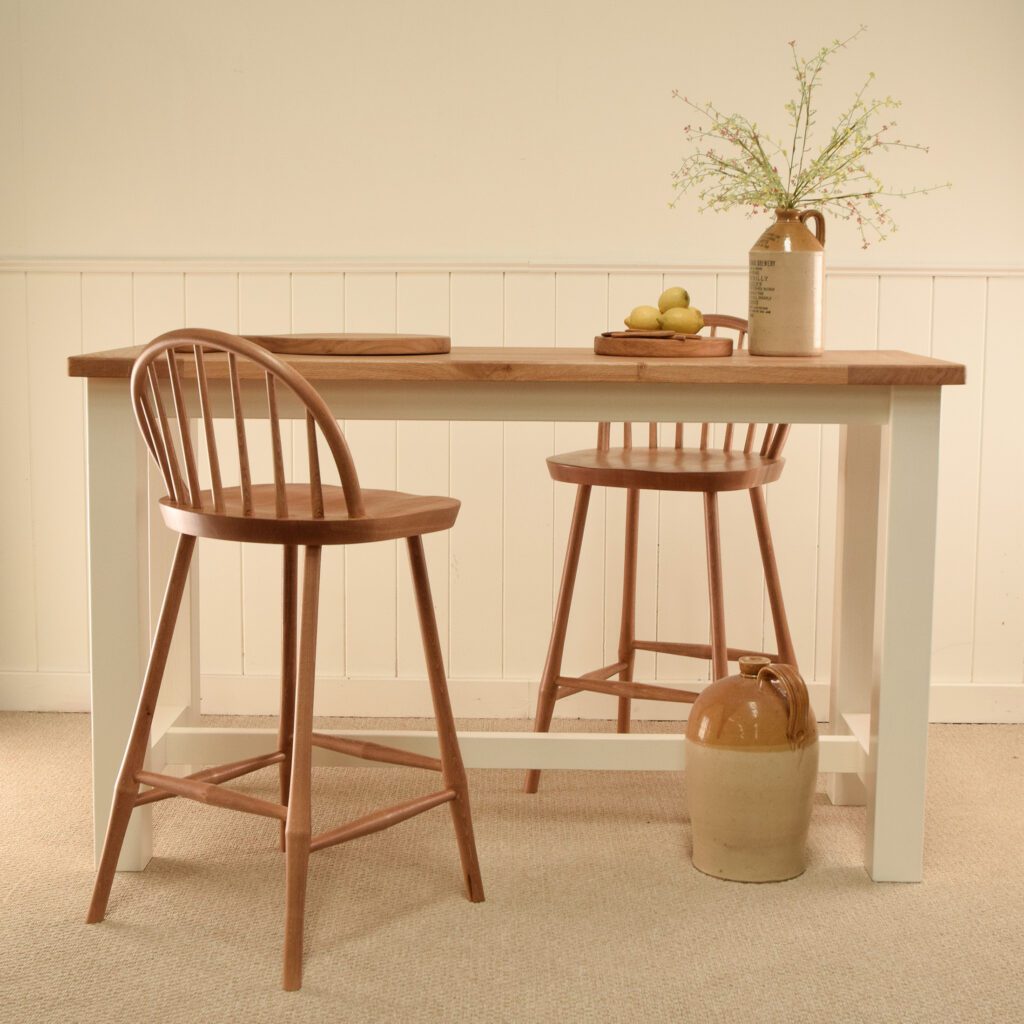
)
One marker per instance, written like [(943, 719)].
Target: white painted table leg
[(897, 754), (853, 617), (118, 599)]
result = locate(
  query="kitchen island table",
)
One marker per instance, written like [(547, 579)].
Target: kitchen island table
[(887, 403)]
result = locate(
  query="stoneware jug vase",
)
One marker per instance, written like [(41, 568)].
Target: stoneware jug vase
[(751, 770), (787, 286)]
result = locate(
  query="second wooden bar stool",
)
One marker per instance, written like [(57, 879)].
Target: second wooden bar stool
[(292, 516), (737, 465)]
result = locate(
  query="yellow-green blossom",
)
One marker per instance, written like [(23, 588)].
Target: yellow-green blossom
[(736, 163)]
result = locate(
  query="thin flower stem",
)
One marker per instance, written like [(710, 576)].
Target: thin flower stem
[(732, 160)]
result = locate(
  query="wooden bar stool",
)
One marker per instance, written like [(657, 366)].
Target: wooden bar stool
[(293, 516), (705, 469)]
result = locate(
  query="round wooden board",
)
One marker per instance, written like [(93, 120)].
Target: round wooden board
[(678, 346), (354, 344)]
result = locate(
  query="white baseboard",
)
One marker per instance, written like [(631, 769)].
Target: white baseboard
[(471, 698), (977, 702), (44, 691)]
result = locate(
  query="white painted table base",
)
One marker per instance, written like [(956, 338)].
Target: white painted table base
[(875, 752)]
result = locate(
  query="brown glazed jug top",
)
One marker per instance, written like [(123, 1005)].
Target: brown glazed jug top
[(764, 708), (788, 234)]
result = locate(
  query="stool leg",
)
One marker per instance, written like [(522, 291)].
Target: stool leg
[(556, 646), (787, 655), (627, 629), (719, 656), (289, 617), (297, 827), (452, 770), (127, 788)]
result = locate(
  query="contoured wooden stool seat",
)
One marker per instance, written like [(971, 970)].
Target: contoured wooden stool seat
[(747, 460), (665, 469), (390, 515), (308, 515)]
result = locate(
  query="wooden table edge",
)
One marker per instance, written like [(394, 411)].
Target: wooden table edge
[(889, 367)]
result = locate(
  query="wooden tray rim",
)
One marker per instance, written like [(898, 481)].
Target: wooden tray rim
[(354, 344), (679, 346)]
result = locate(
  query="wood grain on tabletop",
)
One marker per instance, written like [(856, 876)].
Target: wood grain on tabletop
[(568, 365)]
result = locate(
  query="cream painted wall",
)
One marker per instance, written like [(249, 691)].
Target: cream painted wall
[(405, 145), (539, 130)]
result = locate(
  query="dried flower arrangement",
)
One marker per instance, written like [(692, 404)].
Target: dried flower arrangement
[(735, 163)]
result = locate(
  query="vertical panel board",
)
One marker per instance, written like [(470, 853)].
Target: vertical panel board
[(905, 313), (581, 311), (626, 290), (851, 311), (318, 303), (962, 339), (851, 322), (159, 304), (264, 307), (730, 295), (108, 322), (999, 604), (476, 480), (17, 595), (318, 306), (423, 468), (371, 590), (528, 495), (211, 300), (682, 572), (107, 311), (56, 429)]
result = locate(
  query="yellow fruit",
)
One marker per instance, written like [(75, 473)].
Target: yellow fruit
[(673, 298), (643, 318), (682, 321)]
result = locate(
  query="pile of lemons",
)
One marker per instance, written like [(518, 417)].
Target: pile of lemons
[(674, 313)]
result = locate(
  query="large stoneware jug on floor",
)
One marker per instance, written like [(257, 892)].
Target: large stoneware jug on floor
[(751, 770)]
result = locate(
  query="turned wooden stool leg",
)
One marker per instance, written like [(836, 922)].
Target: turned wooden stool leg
[(297, 827), (556, 646), (127, 787), (452, 770), (627, 629), (719, 654), (787, 655), (289, 618)]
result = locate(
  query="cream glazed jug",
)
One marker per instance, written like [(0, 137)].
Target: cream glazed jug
[(751, 771), (787, 286)]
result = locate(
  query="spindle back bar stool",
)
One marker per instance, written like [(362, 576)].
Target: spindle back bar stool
[(292, 515), (706, 469)]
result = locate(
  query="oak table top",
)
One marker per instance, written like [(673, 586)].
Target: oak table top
[(877, 367)]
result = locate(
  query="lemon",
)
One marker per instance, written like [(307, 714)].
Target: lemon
[(643, 318), (673, 298), (682, 321)]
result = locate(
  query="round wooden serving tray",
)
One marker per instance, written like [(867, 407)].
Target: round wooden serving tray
[(661, 344), (354, 344)]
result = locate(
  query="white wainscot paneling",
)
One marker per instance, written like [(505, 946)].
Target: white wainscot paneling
[(495, 575)]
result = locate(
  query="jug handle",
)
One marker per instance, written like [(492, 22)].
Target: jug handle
[(785, 680), (819, 223)]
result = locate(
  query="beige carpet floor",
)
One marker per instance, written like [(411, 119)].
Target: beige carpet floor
[(593, 910)]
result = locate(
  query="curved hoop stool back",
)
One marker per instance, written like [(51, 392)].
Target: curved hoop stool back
[(186, 350)]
